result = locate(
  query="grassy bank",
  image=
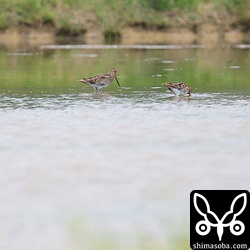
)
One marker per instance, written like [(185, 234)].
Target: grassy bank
[(75, 17)]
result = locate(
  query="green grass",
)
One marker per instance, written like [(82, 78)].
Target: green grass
[(67, 17), (3, 20), (81, 237), (164, 5)]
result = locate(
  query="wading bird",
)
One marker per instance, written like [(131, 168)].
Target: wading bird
[(179, 88), (102, 80)]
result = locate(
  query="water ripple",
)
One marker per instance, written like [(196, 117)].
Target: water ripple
[(129, 97)]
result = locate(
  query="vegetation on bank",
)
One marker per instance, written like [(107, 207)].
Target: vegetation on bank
[(75, 17)]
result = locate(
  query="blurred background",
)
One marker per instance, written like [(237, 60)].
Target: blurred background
[(128, 21), (114, 170)]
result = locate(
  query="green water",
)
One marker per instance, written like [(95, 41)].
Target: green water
[(57, 71)]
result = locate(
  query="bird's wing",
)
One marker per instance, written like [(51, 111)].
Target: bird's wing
[(98, 78), (178, 85)]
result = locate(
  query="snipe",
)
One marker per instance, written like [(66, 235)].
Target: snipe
[(179, 88), (102, 80)]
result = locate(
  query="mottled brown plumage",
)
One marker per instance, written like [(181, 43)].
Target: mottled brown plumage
[(178, 88), (102, 80)]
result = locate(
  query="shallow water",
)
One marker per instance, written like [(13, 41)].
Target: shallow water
[(114, 170)]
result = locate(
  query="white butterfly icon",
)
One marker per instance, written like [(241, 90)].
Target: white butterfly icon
[(203, 227)]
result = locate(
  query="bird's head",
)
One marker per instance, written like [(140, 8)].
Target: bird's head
[(189, 91), (112, 73)]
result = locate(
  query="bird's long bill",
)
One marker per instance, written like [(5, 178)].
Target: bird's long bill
[(117, 82)]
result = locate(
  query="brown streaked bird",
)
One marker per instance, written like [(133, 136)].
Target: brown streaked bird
[(102, 80), (178, 88)]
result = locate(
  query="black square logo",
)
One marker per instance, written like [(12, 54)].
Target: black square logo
[(220, 219)]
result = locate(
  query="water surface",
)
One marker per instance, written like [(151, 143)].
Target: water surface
[(114, 170)]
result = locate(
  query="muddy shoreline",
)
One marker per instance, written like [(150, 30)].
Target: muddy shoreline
[(207, 35)]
